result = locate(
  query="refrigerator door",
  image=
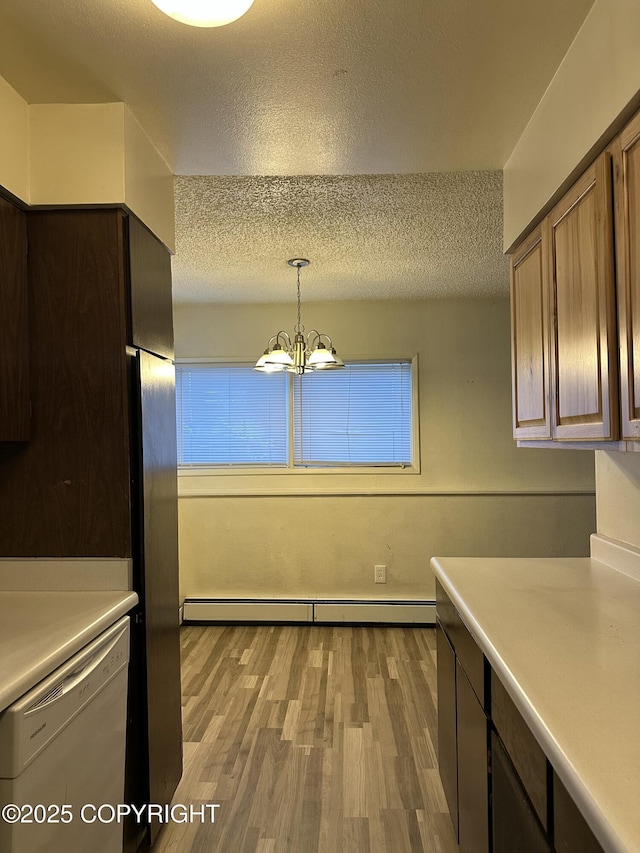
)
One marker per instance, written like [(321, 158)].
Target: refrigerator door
[(156, 578)]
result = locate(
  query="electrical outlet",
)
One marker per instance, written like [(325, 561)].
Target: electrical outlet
[(380, 574)]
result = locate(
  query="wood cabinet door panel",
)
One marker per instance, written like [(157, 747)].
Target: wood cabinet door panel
[(465, 647), (150, 284), (473, 777), (581, 267), (530, 340), (515, 828), (571, 831), (626, 152), (14, 341), (447, 751), (67, 493), (579, 387), (524, 751)]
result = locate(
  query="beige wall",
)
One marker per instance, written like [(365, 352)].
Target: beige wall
[(327, 546), (598, 77), (14, 141), (618, 496), (76, 153), (148, 182), (320, 534), (72, 154)]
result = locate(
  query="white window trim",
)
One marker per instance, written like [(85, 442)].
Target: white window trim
[(413, 467)]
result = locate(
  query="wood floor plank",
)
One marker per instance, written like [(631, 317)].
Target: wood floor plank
[(354, 789), (312, 739), (355, 837), (291, 720)]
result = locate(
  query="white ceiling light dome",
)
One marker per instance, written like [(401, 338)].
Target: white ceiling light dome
[(204, 13)]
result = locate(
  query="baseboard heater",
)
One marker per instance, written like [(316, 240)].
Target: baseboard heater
[(330, 611)]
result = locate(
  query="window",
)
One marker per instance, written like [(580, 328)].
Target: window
[(361, 416), (231, 416)]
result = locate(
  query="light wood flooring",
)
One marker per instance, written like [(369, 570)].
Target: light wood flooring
[(310, 738)]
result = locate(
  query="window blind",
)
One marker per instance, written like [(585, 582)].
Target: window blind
[(361, 415), (231, 416)]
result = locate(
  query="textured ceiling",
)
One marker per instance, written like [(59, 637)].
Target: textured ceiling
[(303, 87), (332, 88), (367, 236)]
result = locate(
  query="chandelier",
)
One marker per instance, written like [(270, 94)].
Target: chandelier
[(302, 355)]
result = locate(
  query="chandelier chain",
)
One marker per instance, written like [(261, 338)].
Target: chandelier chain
[(299, 327)]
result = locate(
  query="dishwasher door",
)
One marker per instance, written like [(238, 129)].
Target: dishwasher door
[(63, 744)]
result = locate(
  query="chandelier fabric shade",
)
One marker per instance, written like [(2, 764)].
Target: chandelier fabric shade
[(300, 355), (204, 13)]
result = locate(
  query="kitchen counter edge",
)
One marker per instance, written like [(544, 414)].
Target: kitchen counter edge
[(41, 630)]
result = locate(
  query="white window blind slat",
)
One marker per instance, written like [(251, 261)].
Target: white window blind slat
[(231, 416), (361, 415)]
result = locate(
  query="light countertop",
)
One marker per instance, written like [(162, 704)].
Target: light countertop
[(563, 635), (39, 631)]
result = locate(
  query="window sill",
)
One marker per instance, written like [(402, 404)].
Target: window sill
[(281, 470), (193, 482)]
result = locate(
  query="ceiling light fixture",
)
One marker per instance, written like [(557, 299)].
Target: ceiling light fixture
[(301, 355), (204, 13)]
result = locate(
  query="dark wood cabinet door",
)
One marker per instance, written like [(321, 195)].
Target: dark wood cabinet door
[(150, 284), (524, 751), (466, 649), (447, 750), (571, 833), (67, 492), (14, 340), (473, 773), (514, 823)]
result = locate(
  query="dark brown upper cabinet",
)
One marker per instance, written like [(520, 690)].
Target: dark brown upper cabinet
[(14, 337), (149, 266), (97, 282)]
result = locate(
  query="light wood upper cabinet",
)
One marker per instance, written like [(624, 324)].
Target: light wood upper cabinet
[(580, 253), (626, 158), (563, 318), (530, 340)]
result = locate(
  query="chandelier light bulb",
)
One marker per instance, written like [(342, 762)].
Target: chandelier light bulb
[(204, 13)]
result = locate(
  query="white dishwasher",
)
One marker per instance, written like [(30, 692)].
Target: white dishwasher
[(62, 744)]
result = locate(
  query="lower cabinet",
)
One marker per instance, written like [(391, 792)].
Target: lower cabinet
[(473, 780), (502, 792), (463, 728), (447, 738), (571, 831), (515, 826)]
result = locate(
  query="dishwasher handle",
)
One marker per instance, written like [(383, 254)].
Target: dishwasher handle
[(82, 672)]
